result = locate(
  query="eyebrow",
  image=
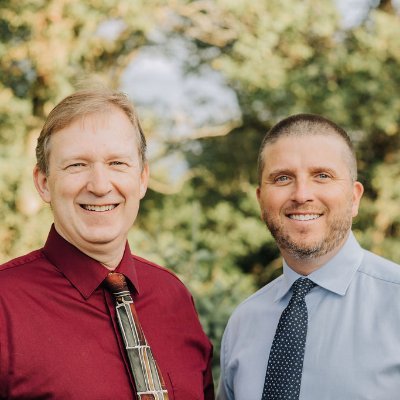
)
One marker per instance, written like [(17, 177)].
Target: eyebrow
[(84, 156), (121, 155), (280, 171), (289, 171)]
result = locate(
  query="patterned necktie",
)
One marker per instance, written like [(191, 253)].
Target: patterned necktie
[(285, 363), (148, 379)]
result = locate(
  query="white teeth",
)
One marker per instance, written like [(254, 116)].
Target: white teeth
[(91, 207), (304, 217)]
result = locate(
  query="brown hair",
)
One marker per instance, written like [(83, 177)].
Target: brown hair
[(81, 104), (306, 124)]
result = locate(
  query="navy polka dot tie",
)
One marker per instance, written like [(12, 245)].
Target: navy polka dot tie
[(285, 363)]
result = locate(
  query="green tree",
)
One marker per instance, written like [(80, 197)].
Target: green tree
[(279, 57)]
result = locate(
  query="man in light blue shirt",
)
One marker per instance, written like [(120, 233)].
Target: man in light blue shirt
[(308, 194)]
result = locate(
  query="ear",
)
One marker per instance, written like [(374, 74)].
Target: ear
[(358, 190), (41, 183), (144, 180)]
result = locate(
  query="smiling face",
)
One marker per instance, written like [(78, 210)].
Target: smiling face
[(307, 197), (95, 181)]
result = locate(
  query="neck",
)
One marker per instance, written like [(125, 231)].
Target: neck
[(307, 266), (108, 254), (109, 258)]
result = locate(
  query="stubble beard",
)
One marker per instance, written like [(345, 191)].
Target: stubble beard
[(304, 250)]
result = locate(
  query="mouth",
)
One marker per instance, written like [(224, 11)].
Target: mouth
[(96, 208), (304, 217)]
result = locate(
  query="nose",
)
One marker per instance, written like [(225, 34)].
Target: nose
[(99, 182), (302, 191)]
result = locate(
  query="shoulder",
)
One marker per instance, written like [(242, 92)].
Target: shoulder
[(162, 288), (21, 262), (380, 269), (21, 271), (158, 275), (257, 302), (146, 266), (266, 292)]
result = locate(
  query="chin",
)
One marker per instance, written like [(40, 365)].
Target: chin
[(101, 236)]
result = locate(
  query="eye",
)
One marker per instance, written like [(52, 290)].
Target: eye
[(118, 165), (75, 165), (282, 178), (323, 175)]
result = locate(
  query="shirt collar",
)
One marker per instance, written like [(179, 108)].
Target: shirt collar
[(335, 276), (85, 273)]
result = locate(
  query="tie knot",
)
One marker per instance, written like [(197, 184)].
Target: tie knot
[(116, 283), (301, 287)]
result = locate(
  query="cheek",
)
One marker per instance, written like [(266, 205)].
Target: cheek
[(340, 201), (65, 189), (270, 210), (130, 186), (272, 202)]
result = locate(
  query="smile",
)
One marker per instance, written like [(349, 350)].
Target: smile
[(304, 217), (92, 207)]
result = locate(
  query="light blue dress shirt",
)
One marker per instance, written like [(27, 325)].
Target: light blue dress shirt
[(353, 340)]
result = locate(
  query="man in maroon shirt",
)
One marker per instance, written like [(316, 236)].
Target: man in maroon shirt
[(59, 338)]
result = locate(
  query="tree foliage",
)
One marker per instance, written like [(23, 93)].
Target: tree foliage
[(279, 57)]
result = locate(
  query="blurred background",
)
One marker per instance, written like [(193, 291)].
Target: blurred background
[(208, 78)]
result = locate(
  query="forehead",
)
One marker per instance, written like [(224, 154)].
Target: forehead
[(307, 150), (108, 129), (110, 118)]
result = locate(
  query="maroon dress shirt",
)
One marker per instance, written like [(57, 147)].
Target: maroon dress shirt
[(59, 338)]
